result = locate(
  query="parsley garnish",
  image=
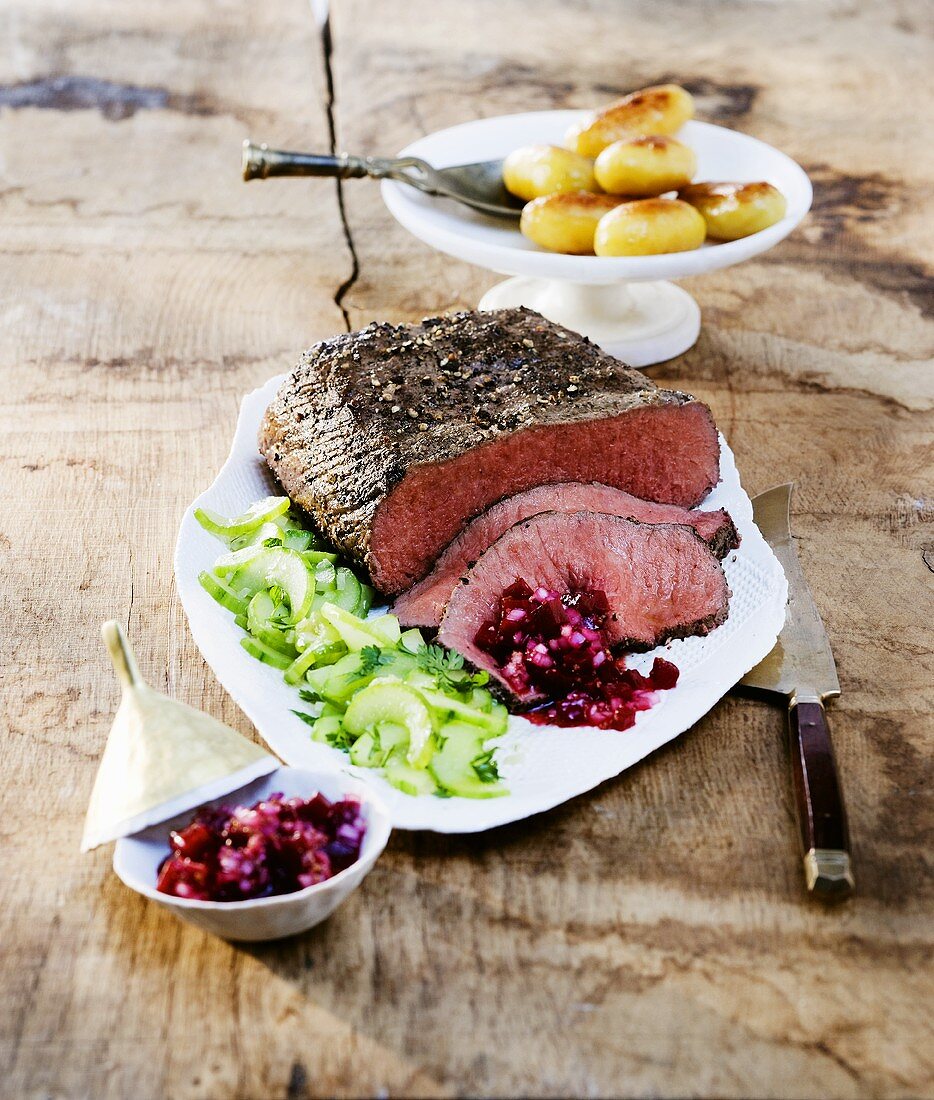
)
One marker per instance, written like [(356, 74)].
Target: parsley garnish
[(307, 718), (437, 660), (308, 695), (340, 739), (371, 657), (446, 667), (485, 767), (272, 542)]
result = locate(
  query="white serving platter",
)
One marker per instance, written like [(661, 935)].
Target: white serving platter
[(543, 766)]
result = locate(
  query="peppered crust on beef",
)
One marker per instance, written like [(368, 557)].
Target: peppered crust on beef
[(394, 437)]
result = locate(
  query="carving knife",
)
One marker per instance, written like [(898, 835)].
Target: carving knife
[(801, 670)]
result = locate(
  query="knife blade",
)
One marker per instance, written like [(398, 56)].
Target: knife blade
[(801, 670)]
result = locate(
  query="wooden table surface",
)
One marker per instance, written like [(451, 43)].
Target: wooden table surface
[(650, 938)]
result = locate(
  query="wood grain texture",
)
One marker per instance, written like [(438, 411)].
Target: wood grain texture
[(648, 939)]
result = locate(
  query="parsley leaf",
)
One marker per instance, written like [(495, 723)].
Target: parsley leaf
[(272, 542), (485, 767), (340, 739), (371, 657), (437, 660), (309, 719), (308, 695), (446, 666)]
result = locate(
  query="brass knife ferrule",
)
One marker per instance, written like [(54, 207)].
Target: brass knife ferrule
[(828, 874)]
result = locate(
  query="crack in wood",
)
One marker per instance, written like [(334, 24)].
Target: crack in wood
[(330, 107)]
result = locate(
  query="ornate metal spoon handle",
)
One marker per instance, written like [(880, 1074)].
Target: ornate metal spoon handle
[(261, 162)]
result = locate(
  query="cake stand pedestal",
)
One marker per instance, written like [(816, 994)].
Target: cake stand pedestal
[(640, 323)]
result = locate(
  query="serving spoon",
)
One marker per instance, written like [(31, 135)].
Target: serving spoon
[(476, 185)]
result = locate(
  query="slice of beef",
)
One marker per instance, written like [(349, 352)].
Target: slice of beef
[(423, 604), (660, 580), (394, 437)]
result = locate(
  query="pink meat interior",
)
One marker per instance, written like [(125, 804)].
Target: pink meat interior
[(659, 581), (665, 453), (423, 604)]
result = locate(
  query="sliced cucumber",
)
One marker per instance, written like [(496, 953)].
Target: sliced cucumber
[(346, 590), (302, 663), (419, 679), (325, 728), (452, 766), (255, 568), (386, 627), (366, 752), (315, 633), (265, 653), (289, 571), (494, 721), (235, 565), (355, 633), (269, 531), (338, 682), (258, 617), (481, 700), (366, 599), (391, 701), (222, 592), (407, 779), (317, 557), (295, 539), (255, 516), (392, 737), (306, 615), (411, 641)]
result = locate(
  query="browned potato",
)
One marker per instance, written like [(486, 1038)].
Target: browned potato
[(645, 166), (566, 222), (661, 109), (734, 210), (536, 170), (647, 227)]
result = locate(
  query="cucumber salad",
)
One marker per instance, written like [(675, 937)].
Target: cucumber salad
[(380, 694)]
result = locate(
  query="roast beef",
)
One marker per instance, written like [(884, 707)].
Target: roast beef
[(660, 581), (423, 604), (394, 437)]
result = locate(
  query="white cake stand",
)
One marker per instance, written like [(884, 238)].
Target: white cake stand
[(625, 304)]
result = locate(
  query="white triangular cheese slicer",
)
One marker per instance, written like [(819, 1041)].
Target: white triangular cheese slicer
[(162, 757)]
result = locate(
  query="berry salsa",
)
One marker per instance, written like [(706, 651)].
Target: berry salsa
[(276, 846), (550, 646)]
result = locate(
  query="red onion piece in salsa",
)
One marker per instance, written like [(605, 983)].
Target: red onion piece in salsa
[(550, 644), (276, 846)]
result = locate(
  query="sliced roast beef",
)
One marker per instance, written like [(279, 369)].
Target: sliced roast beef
[(423, 604), (393, 438), (653, 582)]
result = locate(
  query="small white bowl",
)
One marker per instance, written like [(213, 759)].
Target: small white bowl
[(137, 859)]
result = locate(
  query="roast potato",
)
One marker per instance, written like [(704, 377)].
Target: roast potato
[(661, 109), (567, 221), (645, 166), (734, 210), (536, 170), (648, 227)]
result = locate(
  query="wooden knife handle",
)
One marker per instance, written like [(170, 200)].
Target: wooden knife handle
[(825, 842)]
